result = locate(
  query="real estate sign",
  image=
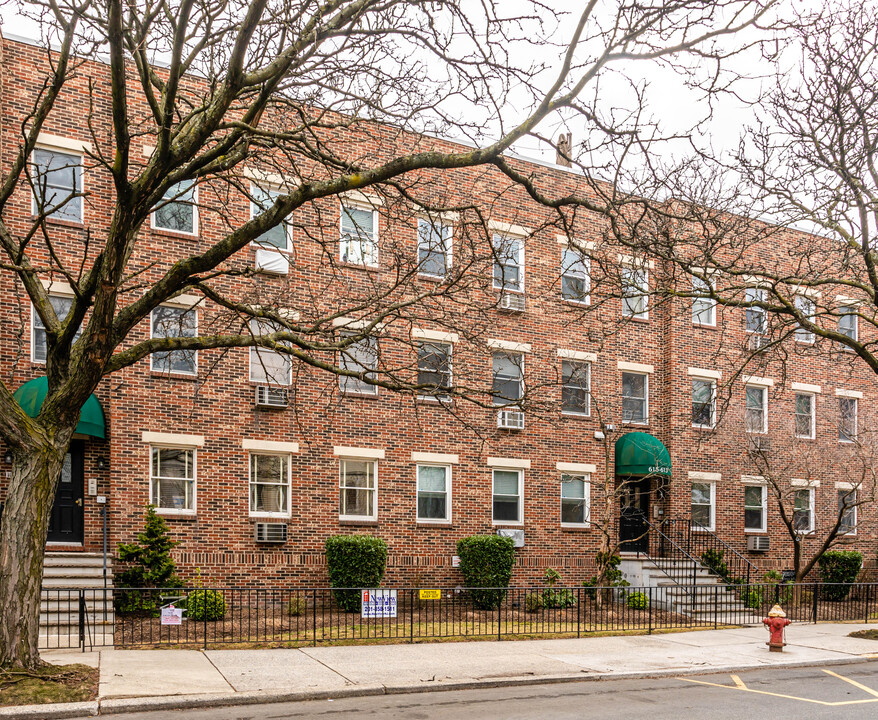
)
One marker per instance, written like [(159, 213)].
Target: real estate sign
[(378, 604)]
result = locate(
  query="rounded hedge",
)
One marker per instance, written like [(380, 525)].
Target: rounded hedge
[(205, 605), (638, 601), (486, 562), (354, 562), (839, 568)]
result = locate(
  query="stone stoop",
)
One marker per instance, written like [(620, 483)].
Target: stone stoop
[(65, 574)]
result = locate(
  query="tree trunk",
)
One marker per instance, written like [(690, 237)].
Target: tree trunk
[(25, 523)]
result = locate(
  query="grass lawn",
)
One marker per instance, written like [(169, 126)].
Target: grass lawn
[(49, 684), (870, 634)]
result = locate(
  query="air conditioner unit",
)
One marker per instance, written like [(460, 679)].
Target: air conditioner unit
[(758, 543), (272, 262), (510, 420), (512, 302), (757, 343), (270, 532), (272, 397), (516, 535)]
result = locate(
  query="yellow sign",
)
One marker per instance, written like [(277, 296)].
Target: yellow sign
[(431, 594)]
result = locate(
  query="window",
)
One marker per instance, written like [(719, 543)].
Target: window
[(178, 211), (847, 321), (635, 290), (806, 307), (755, 409), (39, 347), (268, 366), (803, 510), (575, 499), (434, 248), (434, 493), (754, 317), (847, 419), (575, 384), (262, 199), (358, 487), (170, 322), (634, 399), (172, 479), (434, 369), (57, 176), (703, 308), (575, 277), (508, 263), (359, 235), (804, 416), (847, 510), (703, 403), (508, 385), (358, 357), (507, 496), (269, 484), (754, 508), (703, 495)]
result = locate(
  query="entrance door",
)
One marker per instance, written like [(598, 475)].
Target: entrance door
[(66, 522), (633, 536)]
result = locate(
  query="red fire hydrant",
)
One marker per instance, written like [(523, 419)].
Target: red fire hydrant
[(776, 622)]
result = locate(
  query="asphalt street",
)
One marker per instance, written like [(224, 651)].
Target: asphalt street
[(842, 691)]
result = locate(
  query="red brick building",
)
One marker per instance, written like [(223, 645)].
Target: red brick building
[(254, 460)]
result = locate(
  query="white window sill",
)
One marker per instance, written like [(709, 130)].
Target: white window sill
[(704, 427), (577, 526), (704, 324), (569, 413), (178, 513), (270, 516), (175, 232), (581, 303), (754, 531), (358, 518), (434, 521), (507, 523), (702, 529)]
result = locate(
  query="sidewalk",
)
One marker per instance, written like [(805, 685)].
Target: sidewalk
[(138, 680)]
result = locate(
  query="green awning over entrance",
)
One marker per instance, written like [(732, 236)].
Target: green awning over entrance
[(639, 453), (92, 422)]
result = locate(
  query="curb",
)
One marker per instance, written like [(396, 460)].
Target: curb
[(119, 706)]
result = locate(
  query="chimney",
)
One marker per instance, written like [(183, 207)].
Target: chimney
[(564, 150)]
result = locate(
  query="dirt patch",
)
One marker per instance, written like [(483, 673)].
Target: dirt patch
[(49, 684), (871, 634)]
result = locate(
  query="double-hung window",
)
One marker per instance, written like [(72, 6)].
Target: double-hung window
[(359, 235), (703, 308), (847, 321), (268, 366), (434, 369), (434, 493), (575, 386), (635, 291), (803, 510), (805, 306), (508, 263), (635, 394), (270, 484), (703, 403), (847, 419), (507, 496), (847, 511), (173, 322), (261, 199), (755, 409), (575, 277), (575, 490), (57, 184), (703, 505), (804, 415), (434, 248), (178, 210), (508, 379), (754, 317), (358, 489), (359, 357), (754, 507), (39, 347), (172, 479)]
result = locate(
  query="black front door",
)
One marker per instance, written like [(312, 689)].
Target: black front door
[(65, 524), (633, 535)]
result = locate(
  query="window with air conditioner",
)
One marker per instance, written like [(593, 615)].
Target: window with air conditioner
[(269, 485), (508, 378), (508, 263), (754, 315), (507, 496), (57, 185), (805, 306), (278, 237)]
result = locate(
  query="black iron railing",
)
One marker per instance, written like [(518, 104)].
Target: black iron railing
[(672, 559), (711, 551)]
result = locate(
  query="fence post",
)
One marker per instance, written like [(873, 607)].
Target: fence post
[(866, 611), (649, 607), (816, 592), (499, 611), (412, 618), (715, 606), (314, 618), (579, 612), (81, 619)]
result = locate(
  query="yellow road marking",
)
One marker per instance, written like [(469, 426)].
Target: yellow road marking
[(738, 682), (853, 682), (738, 686)]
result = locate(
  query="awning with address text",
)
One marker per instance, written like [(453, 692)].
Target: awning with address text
[(639, 453)]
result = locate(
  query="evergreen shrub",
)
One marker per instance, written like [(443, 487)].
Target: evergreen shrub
[(354, 563), (486, 562)]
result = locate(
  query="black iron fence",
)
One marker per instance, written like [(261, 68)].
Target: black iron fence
[(211, 617)]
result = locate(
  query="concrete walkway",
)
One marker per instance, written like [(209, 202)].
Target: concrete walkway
[(137, 680)]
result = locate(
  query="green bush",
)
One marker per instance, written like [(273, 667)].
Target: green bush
[(638, 601), (840, 567), (713, 561), (356, 562), (776, 590), (612, 576), (552, 598), (297, 606), (486, 562), (751, 597), (533, 602), (205, 605)]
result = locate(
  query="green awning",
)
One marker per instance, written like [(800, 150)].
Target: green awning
[(639, 453), (92, 422)]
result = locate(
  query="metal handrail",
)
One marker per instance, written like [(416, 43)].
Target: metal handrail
[(692, 536), (666, 540)]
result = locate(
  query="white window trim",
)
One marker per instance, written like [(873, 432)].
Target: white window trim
[(196, 219), (645, 422), (810, 489), (586, 496), (288, 230), (33, 329), (576, 468), (520, 472), (573, 413), (435, 336), (154, 444), (254, 350), (635, 367), (713, 398), (427, 458), (813, 415), (514, 236), (448, 242), (355, 202), (178, 440), (521, 390), (703, 374), (370, 390), (856, 394), (434, 521), (588, 357), (507, 346), (358, 453), (801, 335), (374, 461), (703, 477), (56, 143), (712, 285), (805, 388), (269, 447), (761, 296), (712, 526), (645, 269), (854, 508), (498, 227), (764, 527), (856, 428), (764, 389), (289, 485), (440, 396), (176, 306), (586, 262)]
